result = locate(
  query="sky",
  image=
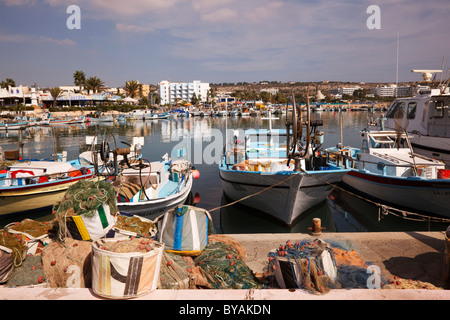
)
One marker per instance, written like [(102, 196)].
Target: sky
[(221, 41)]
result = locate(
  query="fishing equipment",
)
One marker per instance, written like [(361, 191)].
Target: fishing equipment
[(224, 268), (123, 269), (87, 211), (136, 226), (67, 264), (303, 265), (13, 250), (184, 230), (176, 272), (34, 233)]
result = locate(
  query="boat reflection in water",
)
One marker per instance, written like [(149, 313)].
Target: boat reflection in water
[(354, 214), (341, 212), (239, 218)]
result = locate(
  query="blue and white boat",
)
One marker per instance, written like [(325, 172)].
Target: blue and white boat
[(258, 172)]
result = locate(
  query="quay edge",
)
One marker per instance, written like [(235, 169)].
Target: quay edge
[(409, 255)]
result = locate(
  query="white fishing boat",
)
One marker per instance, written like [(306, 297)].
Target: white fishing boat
[(142, 187), (426, 116), (273, 172), (13, 125), (386, 170)]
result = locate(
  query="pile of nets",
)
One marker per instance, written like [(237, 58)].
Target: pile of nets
[(176, 272), (85, 197), (304, 266), (136, 226), (224, 268), (399, 283)]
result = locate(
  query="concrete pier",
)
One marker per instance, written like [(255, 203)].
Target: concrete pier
[(410, 255)]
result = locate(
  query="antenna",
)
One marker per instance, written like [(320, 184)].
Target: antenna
[(396, 79)]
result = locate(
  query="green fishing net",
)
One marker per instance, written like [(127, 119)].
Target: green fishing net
[(225, 269), (85, 197)]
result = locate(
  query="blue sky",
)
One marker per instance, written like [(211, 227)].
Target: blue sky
[(220, 41)]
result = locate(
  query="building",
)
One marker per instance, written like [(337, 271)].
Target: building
[(15, 95), (391, 91), (172, 92)]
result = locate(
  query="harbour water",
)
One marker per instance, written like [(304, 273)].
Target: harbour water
[(342, 212)]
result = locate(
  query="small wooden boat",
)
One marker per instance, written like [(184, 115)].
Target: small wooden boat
[(35, 185)]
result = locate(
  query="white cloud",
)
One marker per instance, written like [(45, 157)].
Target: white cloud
[(59, 42)]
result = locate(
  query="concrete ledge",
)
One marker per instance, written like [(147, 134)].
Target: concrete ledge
[(229, 295), (409, 255)]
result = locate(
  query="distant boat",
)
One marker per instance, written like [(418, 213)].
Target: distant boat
[(384, 171), (13, 125)]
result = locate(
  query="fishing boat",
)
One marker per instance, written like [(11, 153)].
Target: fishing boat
[(98, 117), (34, 185), (13, 125), (386, 170), (273, 171), (426, 116), (145, 188)]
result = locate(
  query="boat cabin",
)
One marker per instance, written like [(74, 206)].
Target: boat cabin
[(426, 113)]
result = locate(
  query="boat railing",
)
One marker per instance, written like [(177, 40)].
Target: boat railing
[(33, 179), (344, 160)]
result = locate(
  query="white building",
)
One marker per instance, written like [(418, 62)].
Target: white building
[(171, 92), (342, 91), (390, 91)]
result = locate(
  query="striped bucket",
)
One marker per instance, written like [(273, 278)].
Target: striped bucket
[(124, 275)]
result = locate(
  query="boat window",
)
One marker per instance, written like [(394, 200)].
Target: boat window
[(412, 106), (439, 109), (396, 107)]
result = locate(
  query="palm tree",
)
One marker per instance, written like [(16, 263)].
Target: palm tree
[(132, 88), (7, 83), (79, 79), (94, 84), (55, 92)]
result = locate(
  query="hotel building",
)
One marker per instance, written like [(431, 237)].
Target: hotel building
[(171, 92)]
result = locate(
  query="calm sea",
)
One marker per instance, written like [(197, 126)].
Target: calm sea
[(342, 212)]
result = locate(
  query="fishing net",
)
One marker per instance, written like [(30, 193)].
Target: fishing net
[(176, 272), (225, 269), (303, 265), (136, 226), (16, 244), (399, 283), (31, 273), (67, 264), (31, 228), (86, 199)]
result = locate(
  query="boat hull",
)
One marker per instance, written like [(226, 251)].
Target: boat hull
[(410, 194), (291, 195), (433, 147), (32, 198), (155, 207)]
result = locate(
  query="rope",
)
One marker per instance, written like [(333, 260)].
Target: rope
[(256, 193)]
